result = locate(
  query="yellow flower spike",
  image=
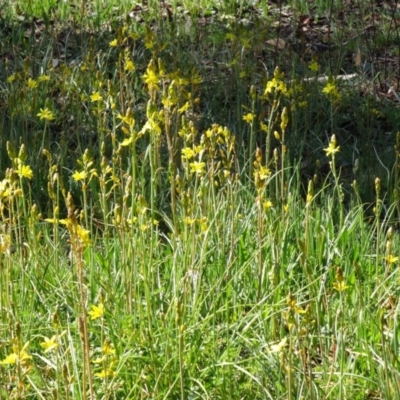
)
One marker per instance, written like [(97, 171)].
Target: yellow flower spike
[(187, 153), (129, 65), (105, 373), (313, 66), (249, 118), (284, 118), (113, 43), (264, 172), (267, 205), (264, 127), (44, 78), (49, 344), (32, 84), (278, 348), (390, 259), (332, 149), (95, 97), (45, 114), (331, 90), (197, 167), (96, 311), (79, 176), (24, 171), (340, 286), (17, 355), (107, 349), (84, 235)]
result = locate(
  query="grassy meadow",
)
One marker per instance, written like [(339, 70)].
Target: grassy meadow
[(199, 200)]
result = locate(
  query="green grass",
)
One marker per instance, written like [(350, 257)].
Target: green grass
[(180, 219)]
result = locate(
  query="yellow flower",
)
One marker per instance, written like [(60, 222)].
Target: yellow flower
[(105, 373), (277, 85), (45, 114), (249, 118), (43, 78), (127, 119), (340, 285), (313, 66), (197, 167), (97, 311), (391, 259), (84, 235), (32, 84), (79, 176), (49, 344), (25, 171), (184, 108), (129, 65), (332, 149), (107, 349), (330, 90), (10, 359), (151, 78), (264, 172), (17, 355), (11, 78), (277, 348), (96, 97), (267, 205), (187, 153), (264, 127), (113, 43)]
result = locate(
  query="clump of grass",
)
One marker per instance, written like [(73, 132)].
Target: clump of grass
[(151, 247)]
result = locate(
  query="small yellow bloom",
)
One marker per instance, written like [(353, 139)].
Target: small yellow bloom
[(184, 108), (84, 235), (11, 78), (105, 373), (340, 285), (391, 259), (49, 344), (97, 311), (96, 96), (332, 149), (277, 348), (44, 78), (113, 43), (313, 66), (188, 153), (264, 172), (32, 84), (267, 205), (197, 167), (151, 79), (129, 65), (249, 118), (107, 349), (25, 171), (17, 355), (45, 114), (331, 90), (10, 359), (264, 127), (79, 176)]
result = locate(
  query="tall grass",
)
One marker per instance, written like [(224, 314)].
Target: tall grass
[(163, 231)]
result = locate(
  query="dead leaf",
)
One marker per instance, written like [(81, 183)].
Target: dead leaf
[(277, 43)]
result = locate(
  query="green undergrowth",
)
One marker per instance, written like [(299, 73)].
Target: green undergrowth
[(188, 213)]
